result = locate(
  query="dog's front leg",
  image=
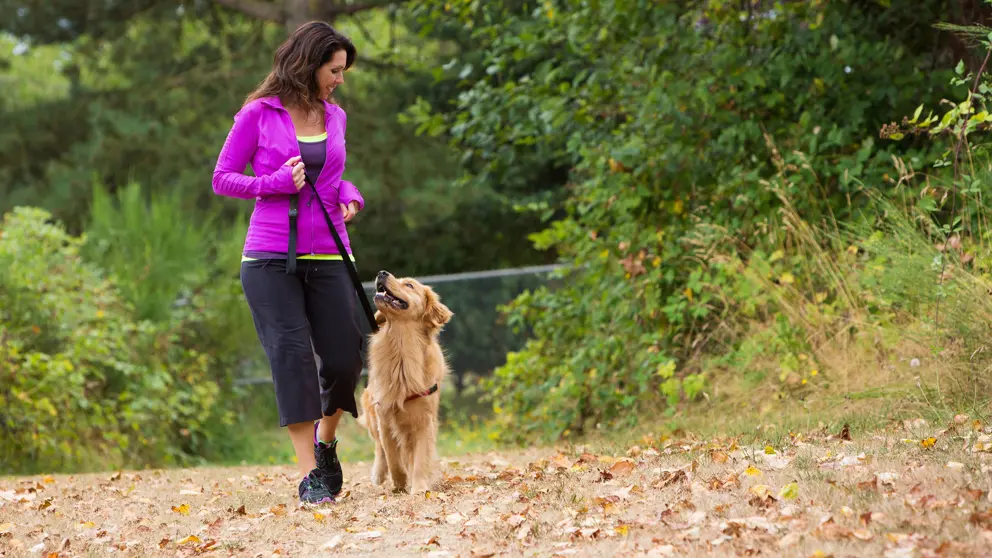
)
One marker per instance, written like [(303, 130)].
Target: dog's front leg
[(423, 453), (391, 452)]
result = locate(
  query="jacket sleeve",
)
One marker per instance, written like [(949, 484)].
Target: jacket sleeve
[(347, 192), (229, 177)]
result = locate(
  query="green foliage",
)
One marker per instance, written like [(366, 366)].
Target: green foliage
[(148, 98), (672, 118), (86, 384)]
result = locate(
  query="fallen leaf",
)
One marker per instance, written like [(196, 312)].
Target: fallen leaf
[(454, 518), (769, 450), (888, 478), (862, 534), (669, 478), (331, 544), (368, 535), (719, 457), (48, 479), (845, 433), (318, 516), (192, 539), (752, 471), (928, 442), (621, 468), (523, 531), (182, 509), (760, 490), (560, 461), (789, 491), (6, 527), (163, 543), (869, 484), (974, 494)]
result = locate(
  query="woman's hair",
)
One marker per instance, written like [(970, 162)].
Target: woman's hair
[(294, 67)]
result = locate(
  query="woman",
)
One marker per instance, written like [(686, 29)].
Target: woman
[(301, 300)]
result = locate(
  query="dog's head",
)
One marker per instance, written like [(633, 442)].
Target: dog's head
[(408, 300)]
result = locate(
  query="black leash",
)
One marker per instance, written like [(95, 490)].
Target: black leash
[(350, 265)]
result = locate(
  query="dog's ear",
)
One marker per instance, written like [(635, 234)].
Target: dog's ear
[(436, 314), (380, 318)]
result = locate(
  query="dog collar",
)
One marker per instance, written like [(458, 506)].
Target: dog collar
[(432, 389)]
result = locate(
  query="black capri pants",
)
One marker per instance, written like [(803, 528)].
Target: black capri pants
[(295, 315)]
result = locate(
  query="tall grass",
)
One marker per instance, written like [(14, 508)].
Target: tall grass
[(887, 313)]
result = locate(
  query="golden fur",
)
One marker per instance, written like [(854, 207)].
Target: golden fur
[(404, 359)]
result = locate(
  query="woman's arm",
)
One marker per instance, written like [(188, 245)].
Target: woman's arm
[(347, 192), (229, 178)]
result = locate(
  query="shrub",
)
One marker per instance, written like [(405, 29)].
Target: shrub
[(84, 384), (673, 118)]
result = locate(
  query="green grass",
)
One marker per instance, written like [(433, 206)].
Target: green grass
[(463, 430)]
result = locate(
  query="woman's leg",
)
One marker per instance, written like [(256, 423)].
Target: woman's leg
[(328, 426), (278, 309), (301, 434), (337, 339)]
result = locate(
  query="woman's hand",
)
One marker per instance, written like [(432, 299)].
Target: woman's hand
[(349, 211), (299, 172)]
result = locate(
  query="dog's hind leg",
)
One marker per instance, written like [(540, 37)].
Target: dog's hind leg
[(380, 466)]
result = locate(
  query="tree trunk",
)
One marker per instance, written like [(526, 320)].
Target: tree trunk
[(298, 12)]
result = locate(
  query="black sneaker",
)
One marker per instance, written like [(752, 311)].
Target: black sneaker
[(328, 466), (313, 490)]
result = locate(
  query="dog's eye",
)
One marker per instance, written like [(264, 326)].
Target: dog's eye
[(408, 285)]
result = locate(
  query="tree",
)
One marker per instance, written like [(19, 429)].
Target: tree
[(153, 85)]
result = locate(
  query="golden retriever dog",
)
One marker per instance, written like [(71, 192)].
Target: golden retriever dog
[(406, 366)]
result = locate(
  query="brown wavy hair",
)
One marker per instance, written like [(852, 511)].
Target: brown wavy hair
[(294, 67)]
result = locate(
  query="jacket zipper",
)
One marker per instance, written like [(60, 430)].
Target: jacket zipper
[(292, 127)]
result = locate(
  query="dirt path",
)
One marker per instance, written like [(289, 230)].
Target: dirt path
[(921, 490)]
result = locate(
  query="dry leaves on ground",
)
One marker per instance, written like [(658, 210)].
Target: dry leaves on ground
[(915, 491)]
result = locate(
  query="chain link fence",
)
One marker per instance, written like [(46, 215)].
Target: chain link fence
[(475, 340)]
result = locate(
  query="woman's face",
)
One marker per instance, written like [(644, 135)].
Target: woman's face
[(331, 75)]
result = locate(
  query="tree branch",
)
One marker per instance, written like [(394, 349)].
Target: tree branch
[(258, 9), (331, 10)]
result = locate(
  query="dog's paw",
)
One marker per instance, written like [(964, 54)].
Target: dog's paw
[(378, 478)]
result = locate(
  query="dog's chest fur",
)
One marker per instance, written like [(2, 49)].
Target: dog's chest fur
[(403, 360)]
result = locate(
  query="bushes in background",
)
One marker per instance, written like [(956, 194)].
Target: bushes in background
[(685, 126), (126, 369)]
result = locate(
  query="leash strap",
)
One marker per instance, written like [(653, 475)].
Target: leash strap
[(352, 269), (291, 252)]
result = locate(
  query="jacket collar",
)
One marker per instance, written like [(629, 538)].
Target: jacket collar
[(274, 102)]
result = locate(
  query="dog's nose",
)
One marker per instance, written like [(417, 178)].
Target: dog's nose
[(382, 274)]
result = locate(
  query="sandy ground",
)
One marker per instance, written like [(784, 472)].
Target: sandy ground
[(915, 490)]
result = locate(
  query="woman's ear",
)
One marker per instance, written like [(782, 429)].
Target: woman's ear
[(436, 314)]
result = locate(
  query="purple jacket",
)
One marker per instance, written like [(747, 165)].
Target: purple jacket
[(263, 135)]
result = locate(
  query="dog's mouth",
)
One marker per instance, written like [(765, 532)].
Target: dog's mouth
[(385, 296)]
